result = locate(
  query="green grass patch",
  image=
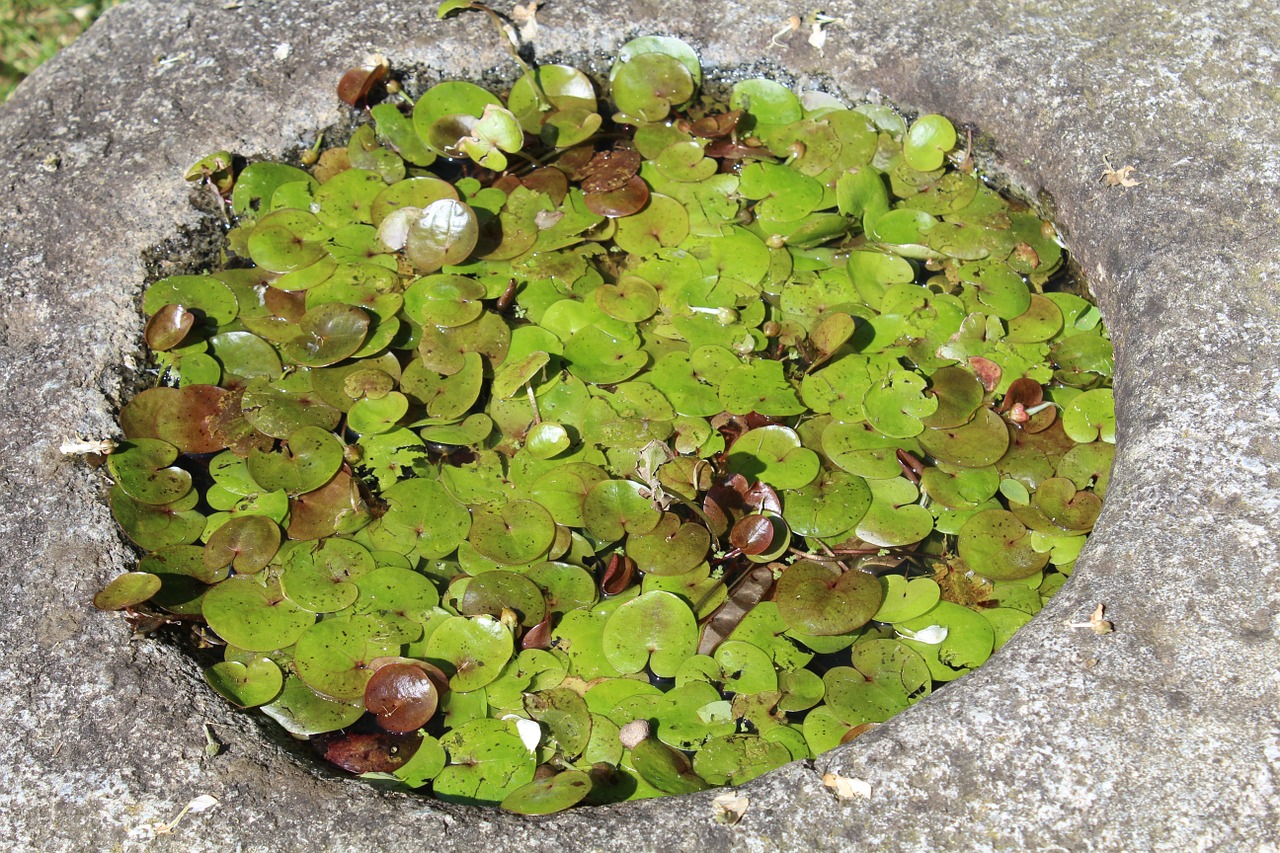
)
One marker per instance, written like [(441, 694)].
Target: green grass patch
[(31, 32)]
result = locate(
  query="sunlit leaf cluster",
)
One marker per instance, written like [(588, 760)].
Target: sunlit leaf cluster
[(517, 420)]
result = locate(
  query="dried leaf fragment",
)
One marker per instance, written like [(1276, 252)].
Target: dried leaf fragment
[(77, 446), (792, 24), (526, 17), (847, 787), (729, 808), (1113, 177), (1096, 622)]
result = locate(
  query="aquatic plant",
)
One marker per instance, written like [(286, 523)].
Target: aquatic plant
[(532, 454)]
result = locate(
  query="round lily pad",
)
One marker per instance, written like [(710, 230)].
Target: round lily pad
[(774, 455), (442, 233), (424, 517), (614, 508), (735, 759), (492, 592), (320, 577), (831, 504), (976, 444), (1091, 416), (127, 590), (821, 599), (144, 469), (656, 629), (402, 696), (549, 795), (303, 712), (287, 240), (475, 649), (665, 768), (253, 617), (246, 543), (487, 762), (995, 544), (905, 599), (308, 460), (964, 639), (333, 656), (520, 532), (328, 334), (671, 548), (928, 140), (246, 685)]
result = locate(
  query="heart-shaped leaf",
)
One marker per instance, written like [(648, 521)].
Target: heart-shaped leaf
[(821, 599)]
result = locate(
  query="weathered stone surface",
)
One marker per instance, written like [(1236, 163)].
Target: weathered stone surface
[(1165, 734)]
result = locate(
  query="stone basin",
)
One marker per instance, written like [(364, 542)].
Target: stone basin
[(1162, 735)]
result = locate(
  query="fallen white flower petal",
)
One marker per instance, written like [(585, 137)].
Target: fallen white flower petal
[(530, 732), (847, 788), (202, 803), (932, 635)]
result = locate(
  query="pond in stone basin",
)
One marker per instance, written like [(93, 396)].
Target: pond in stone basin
[(536, 451)]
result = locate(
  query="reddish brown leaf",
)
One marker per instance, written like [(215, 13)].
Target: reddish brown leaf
[(761, 496), (574, 161), (746, 594), (1024, 391), (716, 126), (539, 636), (988, 372), (752, 534), (548, 181), (361, 753), (315, 514), (358, 83), (624, 201), (610, 170), (402, 696), (618, 574), (290, 305), (168, 327), (858, 730), (912, 468)]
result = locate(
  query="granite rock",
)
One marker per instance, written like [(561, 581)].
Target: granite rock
[(1162, 735)]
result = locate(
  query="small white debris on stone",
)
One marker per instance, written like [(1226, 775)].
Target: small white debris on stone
[(282, 51), (792, 24), (847, 787), (79, 446), (1097, 623), (729, 808), (202, 803), (526, 17)]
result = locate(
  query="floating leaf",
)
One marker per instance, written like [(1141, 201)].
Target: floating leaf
[(475, 649), (402, 696), (550, 795), (657, 629), (821, 599), (246, 685), (127, 590), (996, 544), (253, 617)]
